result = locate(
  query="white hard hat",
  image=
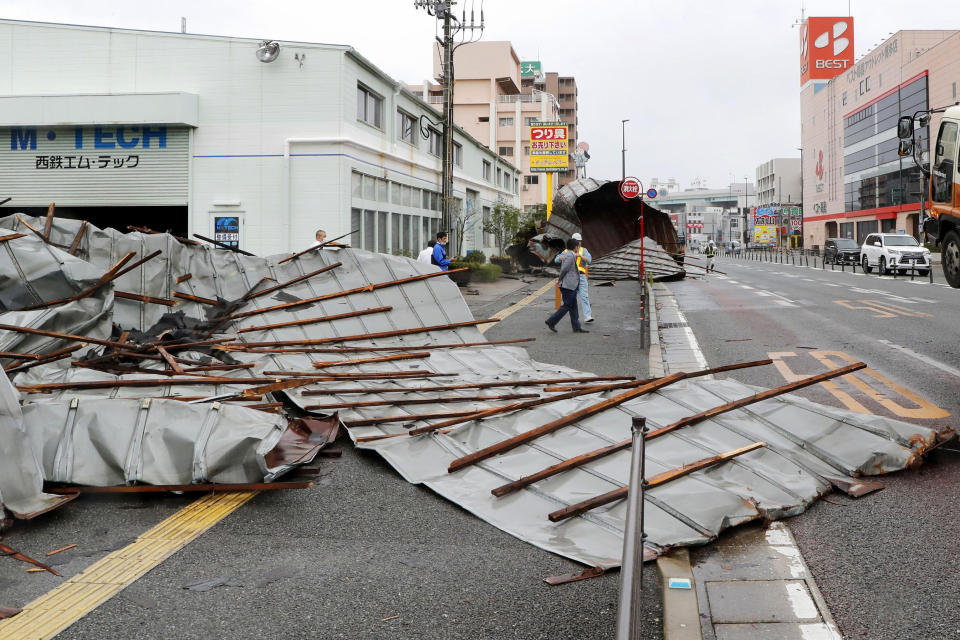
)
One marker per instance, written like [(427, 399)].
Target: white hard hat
[(577, 237)]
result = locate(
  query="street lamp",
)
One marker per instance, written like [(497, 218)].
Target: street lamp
[(746, 206), (623, 148)]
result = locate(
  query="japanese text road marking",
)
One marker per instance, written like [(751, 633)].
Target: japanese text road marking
[(880, 389), (882, 309)]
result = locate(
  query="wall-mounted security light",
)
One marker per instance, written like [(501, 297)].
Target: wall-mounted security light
[(268, 51)]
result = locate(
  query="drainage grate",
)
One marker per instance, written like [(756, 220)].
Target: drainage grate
[(672, 325)]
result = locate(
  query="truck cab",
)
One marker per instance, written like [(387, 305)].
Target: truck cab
[(944, 193)]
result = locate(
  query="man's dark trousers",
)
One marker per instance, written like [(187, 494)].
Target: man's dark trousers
[(569, 305)]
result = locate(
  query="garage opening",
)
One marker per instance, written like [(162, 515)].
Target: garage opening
[(169, 219)]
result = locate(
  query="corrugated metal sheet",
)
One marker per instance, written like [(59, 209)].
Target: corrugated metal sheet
[(809, 448), (107, 165)]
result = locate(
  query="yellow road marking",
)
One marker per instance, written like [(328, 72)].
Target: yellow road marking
[(876, 390), (509, 311), (56, 610), (882, 309), (924, 410)]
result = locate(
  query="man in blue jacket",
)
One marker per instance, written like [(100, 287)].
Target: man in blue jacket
[(440, 252), (569, 282)]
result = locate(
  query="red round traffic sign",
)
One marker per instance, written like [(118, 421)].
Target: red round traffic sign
[(630, 188)]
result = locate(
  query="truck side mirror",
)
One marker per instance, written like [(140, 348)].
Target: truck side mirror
[(905, 148), (905, 127)]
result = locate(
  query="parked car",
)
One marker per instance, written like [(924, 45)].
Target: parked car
[(887, 251), (840, 251), (733, 247)]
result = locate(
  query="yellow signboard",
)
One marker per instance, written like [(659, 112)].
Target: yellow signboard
[(549, 146), (765, 233)]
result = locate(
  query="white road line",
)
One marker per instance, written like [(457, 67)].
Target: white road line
[(922, 358), (763, 293), (784, 303), (745, 286)]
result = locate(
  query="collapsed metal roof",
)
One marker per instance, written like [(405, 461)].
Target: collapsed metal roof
[(383, 345)]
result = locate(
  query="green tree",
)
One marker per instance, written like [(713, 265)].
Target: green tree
[(504, 224), (532, 223)]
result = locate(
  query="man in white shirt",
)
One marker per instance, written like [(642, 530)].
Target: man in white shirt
[(321, 237), (427, 253)]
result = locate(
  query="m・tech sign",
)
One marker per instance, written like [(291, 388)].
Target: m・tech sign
[(826, 48)]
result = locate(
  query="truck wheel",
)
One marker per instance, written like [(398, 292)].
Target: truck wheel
[(866, 265), (950, 255)]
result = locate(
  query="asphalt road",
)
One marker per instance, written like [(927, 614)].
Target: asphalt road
[(362, 554), (886, 563)]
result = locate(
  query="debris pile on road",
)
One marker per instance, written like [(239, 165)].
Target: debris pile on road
[(611, 230), (142, 358)]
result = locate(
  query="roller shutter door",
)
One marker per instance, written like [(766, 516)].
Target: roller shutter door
[(109, 165)]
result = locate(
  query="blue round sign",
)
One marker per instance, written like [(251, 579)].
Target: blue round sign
[(651, 193)]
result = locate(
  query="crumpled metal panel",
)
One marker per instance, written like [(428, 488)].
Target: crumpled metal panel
[(21, 477), (806, 445), (109, 441), (624, 263), (809, 447)]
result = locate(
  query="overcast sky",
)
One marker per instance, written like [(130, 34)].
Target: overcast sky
[(711, 88)]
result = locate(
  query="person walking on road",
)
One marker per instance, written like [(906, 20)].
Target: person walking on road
[(583, 259), (439, 257), (569, 282), (711, 253), (427, 254)]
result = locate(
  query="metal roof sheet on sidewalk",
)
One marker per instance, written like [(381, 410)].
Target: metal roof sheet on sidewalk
[(377, 338)]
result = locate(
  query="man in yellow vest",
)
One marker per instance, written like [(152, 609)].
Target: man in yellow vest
[(583, 260)]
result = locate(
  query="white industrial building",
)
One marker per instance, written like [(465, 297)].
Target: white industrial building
[(196, 134)]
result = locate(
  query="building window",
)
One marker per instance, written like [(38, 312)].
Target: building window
[(499, 177), (487, 237), (369, 107), (506, 151), (406, 128), (483, 119), (458, 154), (843, 100), (486, 170), (435, 142), (867, 83), (526, 150), (534, 179), (529, 120), (506, 122)]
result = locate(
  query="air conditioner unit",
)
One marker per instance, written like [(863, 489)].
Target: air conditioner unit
[(526, 187)]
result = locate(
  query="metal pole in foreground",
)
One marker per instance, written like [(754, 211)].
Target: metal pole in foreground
[(630, 609)]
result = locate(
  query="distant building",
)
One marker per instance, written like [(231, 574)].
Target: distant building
[(496, 101), (778, 182), (196, 134), (720, 214), (854, 181)]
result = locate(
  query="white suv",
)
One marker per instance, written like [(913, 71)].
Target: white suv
[(887, 251)]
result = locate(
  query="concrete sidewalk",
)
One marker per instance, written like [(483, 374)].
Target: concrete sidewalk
[(752, 583)]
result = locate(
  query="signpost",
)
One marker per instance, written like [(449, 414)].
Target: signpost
[(632, 188), (549, 152)]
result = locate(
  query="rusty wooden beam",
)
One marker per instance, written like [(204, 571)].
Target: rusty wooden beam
[(371, 336), (135, 296), (406, 401), (217, 367), (407, 417), (53, 356), (187, 488), (298, 323), (340, 294), (146, 382), (184, 277), (12, 236), (57, 334), (193, 298), (108, 367), (319, 246), (621, 385), (48, 223), (223, 245), (449, 345), (654, 481), (454, 387), (346, 363), (36, 232), (528, 436), (77, 238), (757, 397), (256, 294), (16, 555), (13, 355), (170, 361)]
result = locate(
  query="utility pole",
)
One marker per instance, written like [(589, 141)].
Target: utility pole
[(623, 149), (452, 26)]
